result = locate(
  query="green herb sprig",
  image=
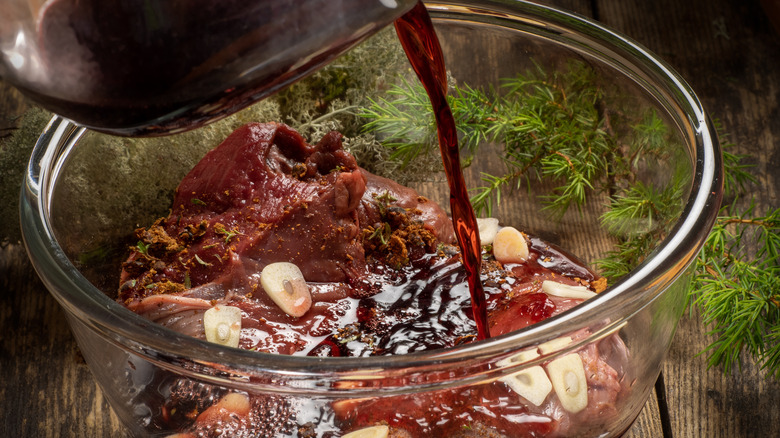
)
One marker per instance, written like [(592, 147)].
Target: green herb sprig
[(738, 292), (549, 127), (736, 286)]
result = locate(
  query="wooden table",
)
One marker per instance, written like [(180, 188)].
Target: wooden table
[(730, 54)]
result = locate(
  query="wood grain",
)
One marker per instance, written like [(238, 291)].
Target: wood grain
[(47, 390)]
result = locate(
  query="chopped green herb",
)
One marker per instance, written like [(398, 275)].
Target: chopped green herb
[(383, 201), (199, 260), (229, 234), (143, 248), (382, 233)]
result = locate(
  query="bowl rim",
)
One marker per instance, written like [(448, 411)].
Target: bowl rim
[(84, 302)]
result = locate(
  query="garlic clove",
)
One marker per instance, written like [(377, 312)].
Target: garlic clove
[(370, 432), (509, 246), (566, 290), (488, 227), (222, 325), (531, 383), (555, 345), (567, 375), (284, 283)]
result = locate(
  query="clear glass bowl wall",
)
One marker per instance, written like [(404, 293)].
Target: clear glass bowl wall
[(85, 194)]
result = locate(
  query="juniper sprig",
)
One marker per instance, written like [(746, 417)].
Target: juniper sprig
[(737, 288), (548, 127)]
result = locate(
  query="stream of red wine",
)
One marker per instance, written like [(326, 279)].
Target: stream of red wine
[(419, 40)]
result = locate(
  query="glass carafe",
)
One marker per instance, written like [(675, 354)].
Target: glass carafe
[(150, 67)]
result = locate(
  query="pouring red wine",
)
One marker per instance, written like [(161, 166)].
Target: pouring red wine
[(419, 40)]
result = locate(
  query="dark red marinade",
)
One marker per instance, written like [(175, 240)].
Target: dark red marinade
[(385, 278)]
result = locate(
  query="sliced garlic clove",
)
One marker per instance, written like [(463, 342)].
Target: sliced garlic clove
[(509, 246), (284, 283), (488, 227), (567, 375), (566, 290), (531, 384), (554, 345), (370, 432), (222, 325)]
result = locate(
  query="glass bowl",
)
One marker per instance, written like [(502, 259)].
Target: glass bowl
[(85, 193)]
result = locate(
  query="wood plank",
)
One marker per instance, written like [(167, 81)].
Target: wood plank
[(705, 403), (648, 424), (47, 389)]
